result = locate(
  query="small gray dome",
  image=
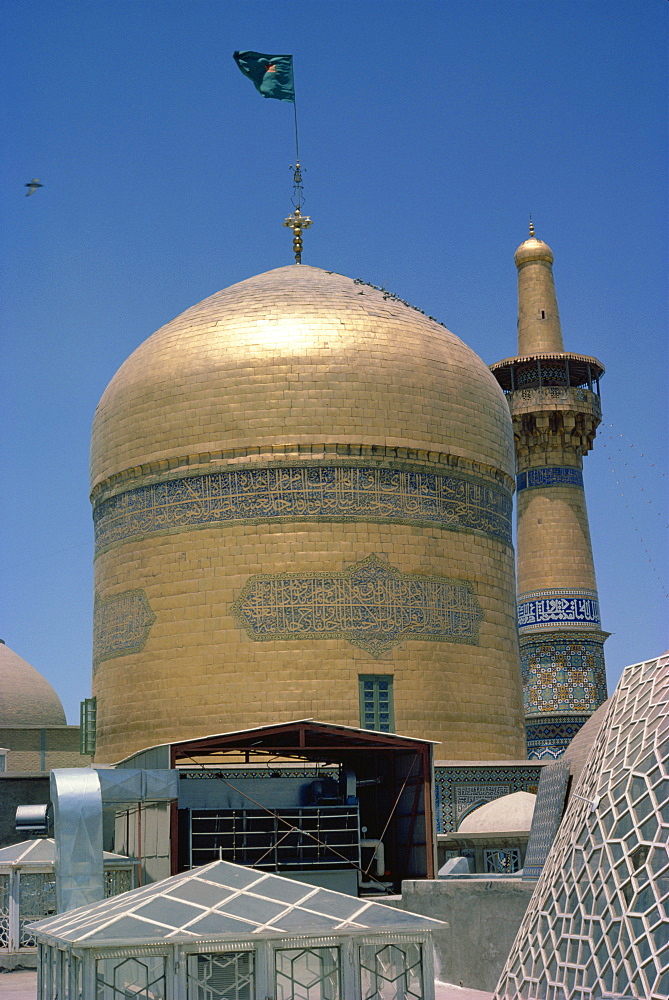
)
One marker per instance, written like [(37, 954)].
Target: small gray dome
[(508, 814), (26, 698)]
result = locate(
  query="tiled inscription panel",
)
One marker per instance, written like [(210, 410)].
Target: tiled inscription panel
[(371, 604)]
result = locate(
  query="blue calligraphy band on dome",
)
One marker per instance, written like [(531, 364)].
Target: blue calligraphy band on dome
[(289, 493)]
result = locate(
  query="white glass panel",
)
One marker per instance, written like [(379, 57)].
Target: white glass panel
[(307, 974), (391, 972), (37, 899), (221, 976), (140, 978)]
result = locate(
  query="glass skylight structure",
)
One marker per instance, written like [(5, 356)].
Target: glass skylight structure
[(28, 893), (224, 932)]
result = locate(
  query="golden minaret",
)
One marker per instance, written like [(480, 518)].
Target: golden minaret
[(555, 406)]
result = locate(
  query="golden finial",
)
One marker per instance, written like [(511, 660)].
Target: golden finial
[(296, 221), (531, 229)]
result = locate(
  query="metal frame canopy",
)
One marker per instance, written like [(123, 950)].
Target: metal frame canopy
[(394, 776)]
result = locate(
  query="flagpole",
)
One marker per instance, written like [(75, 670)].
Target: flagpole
[(296, 221), (262, 70), (297, 144)]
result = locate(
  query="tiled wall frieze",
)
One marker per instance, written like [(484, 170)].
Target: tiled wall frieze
[(558, 608), (306, 492), (554, 475)]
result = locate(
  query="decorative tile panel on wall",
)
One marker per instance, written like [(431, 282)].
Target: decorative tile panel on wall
[(563, 673), (554, 475), (319, 492), (541, 609), (121, 624), (461, 788), (371, 604), (549, 736)]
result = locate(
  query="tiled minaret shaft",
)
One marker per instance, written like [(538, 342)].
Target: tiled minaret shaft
[(554, 400)]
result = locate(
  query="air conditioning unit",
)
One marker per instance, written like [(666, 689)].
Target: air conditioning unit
[(33, 820)]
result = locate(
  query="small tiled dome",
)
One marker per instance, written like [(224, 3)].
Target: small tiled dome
[(26, 698)]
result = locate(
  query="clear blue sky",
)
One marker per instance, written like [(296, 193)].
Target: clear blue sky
[(429, 131)]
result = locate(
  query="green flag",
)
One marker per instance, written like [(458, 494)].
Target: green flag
[(271, 75)]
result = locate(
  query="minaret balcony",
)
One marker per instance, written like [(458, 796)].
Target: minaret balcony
[(573, 399), (538, 371)]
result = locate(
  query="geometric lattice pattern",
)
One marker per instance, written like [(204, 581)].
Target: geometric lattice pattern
[(228, 975), (307, 973), (391, 971), (548, 736), (563, 672), (121, 624), (143, 978), (306, 492), (597, 922), (371, 604), (548, 813)]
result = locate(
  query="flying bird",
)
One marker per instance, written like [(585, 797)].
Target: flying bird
[(33, 185)]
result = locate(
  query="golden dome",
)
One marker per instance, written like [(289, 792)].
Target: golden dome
[(26, 698), (298, 360), (533, 249)]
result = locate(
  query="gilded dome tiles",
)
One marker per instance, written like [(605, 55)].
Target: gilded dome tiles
[(301, 354)]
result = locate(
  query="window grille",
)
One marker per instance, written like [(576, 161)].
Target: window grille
[(502, 862), (37, 899), (139, 978), (117, 880), (390, 972), (221, 976), (87, 723), (376, 702), (4, 911), (307, 974)]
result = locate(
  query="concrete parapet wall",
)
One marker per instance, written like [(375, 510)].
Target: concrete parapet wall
[(483, 917)]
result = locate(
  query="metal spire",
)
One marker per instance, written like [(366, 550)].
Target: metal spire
[(296, 221)]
